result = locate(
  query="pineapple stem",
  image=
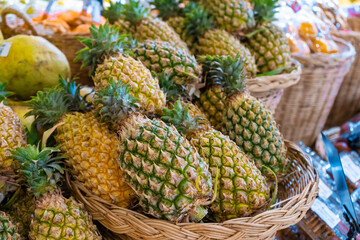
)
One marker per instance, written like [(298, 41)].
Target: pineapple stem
[(104, 41), (264, 10), (115, 102), (274, 195), (134, 12), (180, 117), (173, 90), (168, 8), (113, 12), (197, 21), (226, 71), (41, 169)]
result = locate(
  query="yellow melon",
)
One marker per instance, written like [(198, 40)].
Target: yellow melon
[(32, 63)]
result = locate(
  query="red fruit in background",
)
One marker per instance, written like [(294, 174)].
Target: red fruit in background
[(342, 147), (344, 128)]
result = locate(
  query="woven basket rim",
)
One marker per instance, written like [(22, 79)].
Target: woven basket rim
[(347, 51), (280, 81), (135, 225)]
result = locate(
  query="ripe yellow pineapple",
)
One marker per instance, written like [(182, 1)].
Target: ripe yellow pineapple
[(90, 147), (55, 217), (108, 62), (241, 187), (11, 132)]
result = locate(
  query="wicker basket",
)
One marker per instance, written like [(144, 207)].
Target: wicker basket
[(270, 89), (346, 104), (354, 23), (67, 43), (296, 195), (304, 108)]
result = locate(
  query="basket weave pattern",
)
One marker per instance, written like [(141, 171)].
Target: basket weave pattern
[(269, 89), (304, 108), (296, 194), (347, 101)]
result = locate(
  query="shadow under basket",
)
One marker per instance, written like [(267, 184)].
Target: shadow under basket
[(304, 107), (297, 193)]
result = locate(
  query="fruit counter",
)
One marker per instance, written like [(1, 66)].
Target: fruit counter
[(133, 120)]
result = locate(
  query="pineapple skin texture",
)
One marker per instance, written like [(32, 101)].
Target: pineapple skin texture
[(270, 48), (164, 57), (151, 29), (163, 168), (8, 230), (231, 15), (218, 42), (241, 186), (22, 212), (130, 71), (11, 135), (58, 218), (212, 103), (92, 152), (248, 123)]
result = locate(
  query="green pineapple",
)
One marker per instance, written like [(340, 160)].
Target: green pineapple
[(165, 171), (55, 217), (107, 54), (163, 57), (8, 230), (245, 119), (268, 43), (199, 32), (241, 187), (231, 15)]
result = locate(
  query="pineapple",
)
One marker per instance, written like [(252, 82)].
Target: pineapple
[(135, 19), (231, 15), (164, 57), (268, 43), (11, 131), (90, 147), (241, 187), (203, 39), (105, 53), (245, 119), (55, 217), (162, 167), (8, 230), (22, 211)]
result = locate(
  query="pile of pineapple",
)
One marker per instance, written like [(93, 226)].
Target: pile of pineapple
[(140, 138)]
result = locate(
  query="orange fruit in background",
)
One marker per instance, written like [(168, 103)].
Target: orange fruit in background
[(322, 45), (308, 30), (83, 28)]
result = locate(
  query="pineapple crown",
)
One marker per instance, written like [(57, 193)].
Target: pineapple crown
[(173, 90), (197, 20), (226, 71), (50, 105), (179, 116), (115, 102), (4, 94), (134, 12), (264, 10), (168, 8), (104, 41), (41, 169), (113, 12)]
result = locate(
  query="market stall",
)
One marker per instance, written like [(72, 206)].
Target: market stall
[(173, 119)]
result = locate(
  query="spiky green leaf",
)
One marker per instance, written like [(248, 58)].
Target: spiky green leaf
[(113, 12), (168, 8), (264, 10), (4, 94), (197, 20), (104, 40), (41, 168)]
